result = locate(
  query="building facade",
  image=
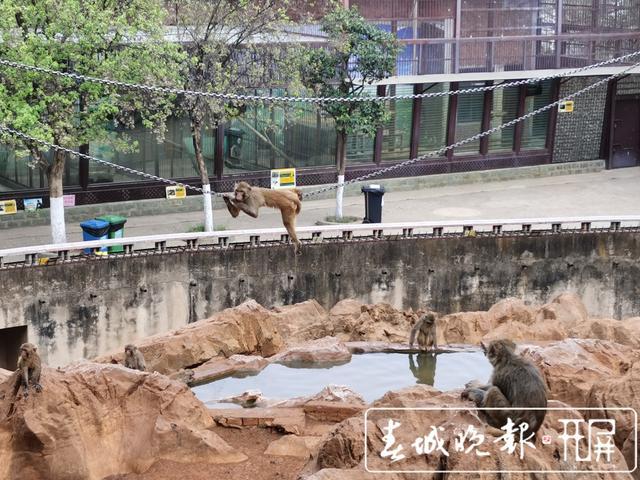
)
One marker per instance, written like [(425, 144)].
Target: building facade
[(446, 45)]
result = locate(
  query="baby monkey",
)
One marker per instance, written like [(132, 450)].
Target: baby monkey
[(29, 368), (133, 358), (425, 328)]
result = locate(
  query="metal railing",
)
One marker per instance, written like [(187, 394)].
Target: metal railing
[(133, 246)]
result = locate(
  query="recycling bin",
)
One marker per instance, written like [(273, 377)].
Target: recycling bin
[(95, 230), (373, 203), (116, 230)]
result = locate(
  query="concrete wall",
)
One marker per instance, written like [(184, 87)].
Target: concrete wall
[(86, 308)]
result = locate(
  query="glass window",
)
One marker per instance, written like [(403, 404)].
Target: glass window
[(504, 108), (359, 146), (534, 129), (279, 136), (309, 137), (433, 120), (396, 138), (173, 158), (16, 174), (469, 119)]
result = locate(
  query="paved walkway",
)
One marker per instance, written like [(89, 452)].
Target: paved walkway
[(610, 192)]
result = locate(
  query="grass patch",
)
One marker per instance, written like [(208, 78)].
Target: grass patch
[(200, 228), (344, 219)]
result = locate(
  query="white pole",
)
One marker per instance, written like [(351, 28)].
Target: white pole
[(56, 210), (208, 208), (339, 194)]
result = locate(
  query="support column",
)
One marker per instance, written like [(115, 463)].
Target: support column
[(379, 138), (518, 129), (458, 22), (486, 119), (416, 110), (451, 118), (83, 167), (553, 118), (218, 157), (558, 33)]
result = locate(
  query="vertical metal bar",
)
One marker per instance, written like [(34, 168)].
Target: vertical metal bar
[(415, 121), (517, 134), (451, 118), (83, 167), (458, 23), (607, 126), (486, 119), (558, 33), (218, 156), (379, 138), (553, 119)]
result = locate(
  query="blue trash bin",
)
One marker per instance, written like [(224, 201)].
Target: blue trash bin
[(95, 230)]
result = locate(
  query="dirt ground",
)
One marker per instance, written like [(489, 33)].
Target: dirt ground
[(250, 441)]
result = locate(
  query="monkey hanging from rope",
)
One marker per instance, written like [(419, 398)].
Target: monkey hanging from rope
[(249, 200)]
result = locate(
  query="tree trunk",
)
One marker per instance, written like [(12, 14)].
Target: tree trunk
[(56, 210), (196, 137), (341, 163)]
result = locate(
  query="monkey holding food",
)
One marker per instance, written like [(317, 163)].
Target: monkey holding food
[(249, 200), (133, 358), (515, 382), (425, 328), (29, 369)]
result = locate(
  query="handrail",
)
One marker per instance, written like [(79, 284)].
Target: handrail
[(375, 228)]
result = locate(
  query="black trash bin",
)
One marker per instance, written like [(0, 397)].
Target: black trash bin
[(373, 203)]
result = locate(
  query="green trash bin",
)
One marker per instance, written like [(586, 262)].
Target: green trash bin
[(116, 230)]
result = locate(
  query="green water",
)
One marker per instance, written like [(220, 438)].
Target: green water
[(371, 375)]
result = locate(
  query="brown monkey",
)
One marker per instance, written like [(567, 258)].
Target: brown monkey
[(249, 200), (425, 328), (133, 358), (29, 368), (515, 382)]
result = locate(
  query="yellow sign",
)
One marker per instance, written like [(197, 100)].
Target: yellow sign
[(283, 178), (8, 207), (566, 107), (177, 191)]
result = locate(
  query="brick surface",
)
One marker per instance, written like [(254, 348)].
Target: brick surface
[(578, 134)]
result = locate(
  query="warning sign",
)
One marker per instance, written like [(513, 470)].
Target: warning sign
[(283, 178), (8, 207), (176, 191), (566, 107)]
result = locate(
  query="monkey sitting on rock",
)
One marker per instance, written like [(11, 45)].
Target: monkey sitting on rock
[(515, 382), (133, 358), (425, 328), (29, 368)]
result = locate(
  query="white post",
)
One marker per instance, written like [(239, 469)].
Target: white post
[(56, 211), (208, 208), (339, 194)]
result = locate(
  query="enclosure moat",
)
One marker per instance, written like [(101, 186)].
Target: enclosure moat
[(369, 374)]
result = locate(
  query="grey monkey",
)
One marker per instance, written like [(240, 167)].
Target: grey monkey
[(515, 382), (133, 358), (425, 328)]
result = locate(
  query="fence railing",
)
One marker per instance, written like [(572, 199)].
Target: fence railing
[(424, 56), (347, 232)]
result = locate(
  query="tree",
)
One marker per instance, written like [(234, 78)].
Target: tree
[(358, 53), (233, 46), (118, 39)]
